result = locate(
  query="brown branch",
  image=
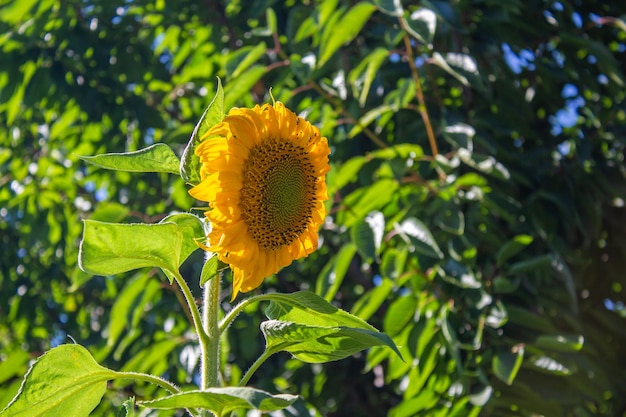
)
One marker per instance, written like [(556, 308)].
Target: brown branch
[(420, 95)]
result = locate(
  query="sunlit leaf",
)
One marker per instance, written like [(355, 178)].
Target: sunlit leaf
[(416, 233), (65, 381), (316, 331), (112, 248), (422, 24), (223, 400), (156, 158), (320, 344)]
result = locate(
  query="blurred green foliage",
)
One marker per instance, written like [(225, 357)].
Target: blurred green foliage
[(496, 263)]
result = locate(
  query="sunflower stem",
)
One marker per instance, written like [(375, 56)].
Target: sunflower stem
[(203, 338), (210, 313)]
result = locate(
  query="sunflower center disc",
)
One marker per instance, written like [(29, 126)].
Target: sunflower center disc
[(278, 193)]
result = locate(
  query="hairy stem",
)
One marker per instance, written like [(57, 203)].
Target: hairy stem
[(149, 378), (211, 304), (195, 314), (232, 314)]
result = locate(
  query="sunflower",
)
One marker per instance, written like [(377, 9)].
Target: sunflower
[(263, 173)]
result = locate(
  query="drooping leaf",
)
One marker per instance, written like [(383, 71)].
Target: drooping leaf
[(416, 233), (317, 344), (112, 248), (422, 24), (65, 381), (223, 400), (189, 166), (156, 158), (315, 319)]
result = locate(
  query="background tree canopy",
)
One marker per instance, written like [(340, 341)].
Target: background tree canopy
[(477, 191)]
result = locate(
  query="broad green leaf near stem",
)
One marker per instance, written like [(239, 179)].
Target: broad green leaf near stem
[(223, 400), (314, 330), (192, 228), (156, 158), (315, 344), (112, 248), (67, 381), (189, 167)]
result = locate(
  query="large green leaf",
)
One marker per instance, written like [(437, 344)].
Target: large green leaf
[(65, 381), (190, 163), (192, 228), (156, 158), (314, 330), (112, 248), (314, 344), (224, 400)]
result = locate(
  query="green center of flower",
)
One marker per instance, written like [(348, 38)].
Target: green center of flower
[(278, 193)]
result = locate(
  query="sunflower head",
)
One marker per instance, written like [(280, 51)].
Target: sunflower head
[(263, 173)]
